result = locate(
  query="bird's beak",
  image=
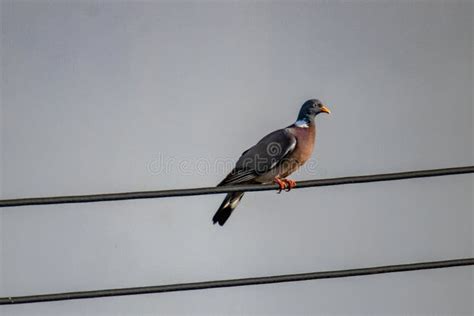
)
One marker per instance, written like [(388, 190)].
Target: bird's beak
[(325, 109)]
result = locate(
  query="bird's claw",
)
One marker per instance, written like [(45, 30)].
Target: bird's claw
[(285, 184), (281, 184), (290, 184)]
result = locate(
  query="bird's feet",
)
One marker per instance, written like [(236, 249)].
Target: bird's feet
[(291, 184), (285, 184), (281, 184)]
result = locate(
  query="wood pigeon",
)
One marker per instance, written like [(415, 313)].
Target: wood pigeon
[(273, 158)]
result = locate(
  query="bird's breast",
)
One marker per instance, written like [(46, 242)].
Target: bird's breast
[(305, 140)]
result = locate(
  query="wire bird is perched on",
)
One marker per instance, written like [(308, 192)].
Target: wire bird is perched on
[(273, 158)]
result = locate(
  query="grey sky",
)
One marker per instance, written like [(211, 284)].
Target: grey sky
[(95, 94)]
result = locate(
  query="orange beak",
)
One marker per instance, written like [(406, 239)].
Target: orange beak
[(325, 109)]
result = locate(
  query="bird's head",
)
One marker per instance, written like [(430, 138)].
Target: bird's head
[(310, 109)]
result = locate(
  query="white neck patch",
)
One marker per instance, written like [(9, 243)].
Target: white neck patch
[(302, 124)]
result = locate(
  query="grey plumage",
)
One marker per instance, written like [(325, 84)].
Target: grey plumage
[(254, 163), (275, 156), (263, 157)]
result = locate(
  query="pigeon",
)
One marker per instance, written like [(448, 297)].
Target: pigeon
[(273, 158)]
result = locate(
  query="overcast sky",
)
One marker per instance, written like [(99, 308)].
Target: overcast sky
[(100, 96)]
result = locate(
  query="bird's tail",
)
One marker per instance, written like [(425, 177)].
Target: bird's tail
[(228, 205)]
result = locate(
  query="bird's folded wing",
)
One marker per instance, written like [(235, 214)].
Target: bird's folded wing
[(261, 158)]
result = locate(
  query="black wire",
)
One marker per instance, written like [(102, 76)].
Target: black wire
[(233, 188), (235, 282)]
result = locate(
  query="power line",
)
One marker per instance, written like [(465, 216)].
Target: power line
[(234, 188), (236, 282)]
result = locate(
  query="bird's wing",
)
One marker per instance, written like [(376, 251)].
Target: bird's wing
[(262, 157)]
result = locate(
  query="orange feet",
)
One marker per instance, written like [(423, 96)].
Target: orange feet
[(281, 184), (291, 184), (285, 184)]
